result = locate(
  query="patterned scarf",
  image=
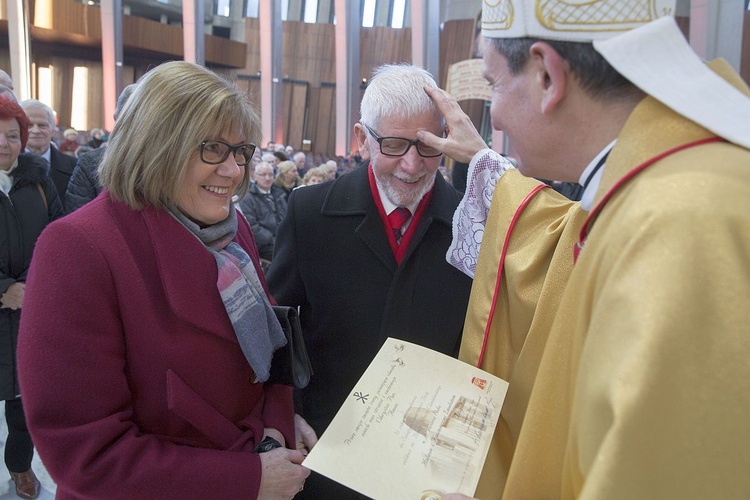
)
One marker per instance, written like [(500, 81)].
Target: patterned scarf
[(255, 324)]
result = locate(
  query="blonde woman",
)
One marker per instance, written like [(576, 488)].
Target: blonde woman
[(287, 177), (143, 358)]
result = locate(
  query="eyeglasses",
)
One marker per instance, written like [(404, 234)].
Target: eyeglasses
[(399, 146), (215, 152)]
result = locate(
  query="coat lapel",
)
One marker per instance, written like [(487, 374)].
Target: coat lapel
[(350, 195), (193, 296)]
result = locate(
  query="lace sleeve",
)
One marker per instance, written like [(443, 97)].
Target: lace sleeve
[(470, 217)]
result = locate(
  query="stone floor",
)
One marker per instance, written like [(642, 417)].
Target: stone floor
[(7, 487)]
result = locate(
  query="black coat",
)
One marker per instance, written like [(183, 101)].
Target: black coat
[(263, 218), (84, 184), (23, 216), (333, 259), (61, 168)]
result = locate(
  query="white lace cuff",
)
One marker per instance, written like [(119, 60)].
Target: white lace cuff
[(470, 217)]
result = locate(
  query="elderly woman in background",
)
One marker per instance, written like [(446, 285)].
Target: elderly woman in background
[(143, 358), (28, 202), (287, 177), (315, 176)]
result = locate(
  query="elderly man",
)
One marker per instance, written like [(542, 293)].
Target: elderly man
[(300, 159), (620, 322), (42, 127), (264, 206), (364, 256)]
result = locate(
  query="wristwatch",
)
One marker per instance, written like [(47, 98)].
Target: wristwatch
[(267, 444)]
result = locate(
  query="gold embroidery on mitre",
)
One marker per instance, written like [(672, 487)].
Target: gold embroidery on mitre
[(497, 15), (598, 15)]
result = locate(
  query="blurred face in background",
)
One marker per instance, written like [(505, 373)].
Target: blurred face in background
[(263, 176), (40, 131)]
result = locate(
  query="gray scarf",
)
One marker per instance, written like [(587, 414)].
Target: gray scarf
[(255, 324)]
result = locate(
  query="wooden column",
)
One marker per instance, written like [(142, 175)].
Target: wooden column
[(425, 35), (20, 47), (716, 29), (193, 31), (347, 73), (112, 56), (272, 97)]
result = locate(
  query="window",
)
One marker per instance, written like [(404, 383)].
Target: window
[(311, 11), (399, 11), (368, 14)]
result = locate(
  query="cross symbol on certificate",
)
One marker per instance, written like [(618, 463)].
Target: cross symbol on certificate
[(361, 397)]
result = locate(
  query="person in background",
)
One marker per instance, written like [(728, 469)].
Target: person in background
[(331, 169), (300, 161), (7, 92), (289, 151), (6, 80), (28, 202), (42, 120), (315, 176), (96, 138), (364, 256), (84, 183), (287, 177), (143, 358), (264, 206), (70, 144), (270, 159), (620, 322)]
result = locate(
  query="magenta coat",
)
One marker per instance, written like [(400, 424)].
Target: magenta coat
[(132, 379)]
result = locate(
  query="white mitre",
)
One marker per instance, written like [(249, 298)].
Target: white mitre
[(569, 20)]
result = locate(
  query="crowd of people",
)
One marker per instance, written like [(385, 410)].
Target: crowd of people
[(613, 300)]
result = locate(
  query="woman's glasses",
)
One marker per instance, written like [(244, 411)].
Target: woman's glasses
[(215, 152)]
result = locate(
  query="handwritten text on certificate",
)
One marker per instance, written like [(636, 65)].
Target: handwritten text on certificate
[(418, 424)]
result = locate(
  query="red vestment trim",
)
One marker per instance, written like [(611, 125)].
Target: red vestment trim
[(516, 216), (586, 229)]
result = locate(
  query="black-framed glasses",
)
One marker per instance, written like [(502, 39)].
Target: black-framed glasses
[(399, 146), (215, 152)]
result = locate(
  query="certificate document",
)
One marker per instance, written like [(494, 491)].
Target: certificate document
[(417, 425)]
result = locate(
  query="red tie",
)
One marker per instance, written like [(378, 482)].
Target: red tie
[(397, 218)]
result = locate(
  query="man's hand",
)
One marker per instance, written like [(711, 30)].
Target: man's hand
[(305, 435), (13, 297), (462, 140)]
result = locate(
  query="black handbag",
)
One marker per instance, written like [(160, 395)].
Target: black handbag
[(290, 364)]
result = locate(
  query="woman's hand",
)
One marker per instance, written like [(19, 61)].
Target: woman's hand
[(462, 140), (282, 477), (13, 297), (457, 496), (305, 435)]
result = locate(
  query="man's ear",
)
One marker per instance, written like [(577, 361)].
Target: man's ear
[(552, 73), (361, 134)]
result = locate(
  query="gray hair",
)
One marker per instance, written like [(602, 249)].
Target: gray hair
[(397, 90), (123, 99), (33, 104)]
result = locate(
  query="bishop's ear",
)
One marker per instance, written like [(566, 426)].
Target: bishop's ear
[(552, 72)]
